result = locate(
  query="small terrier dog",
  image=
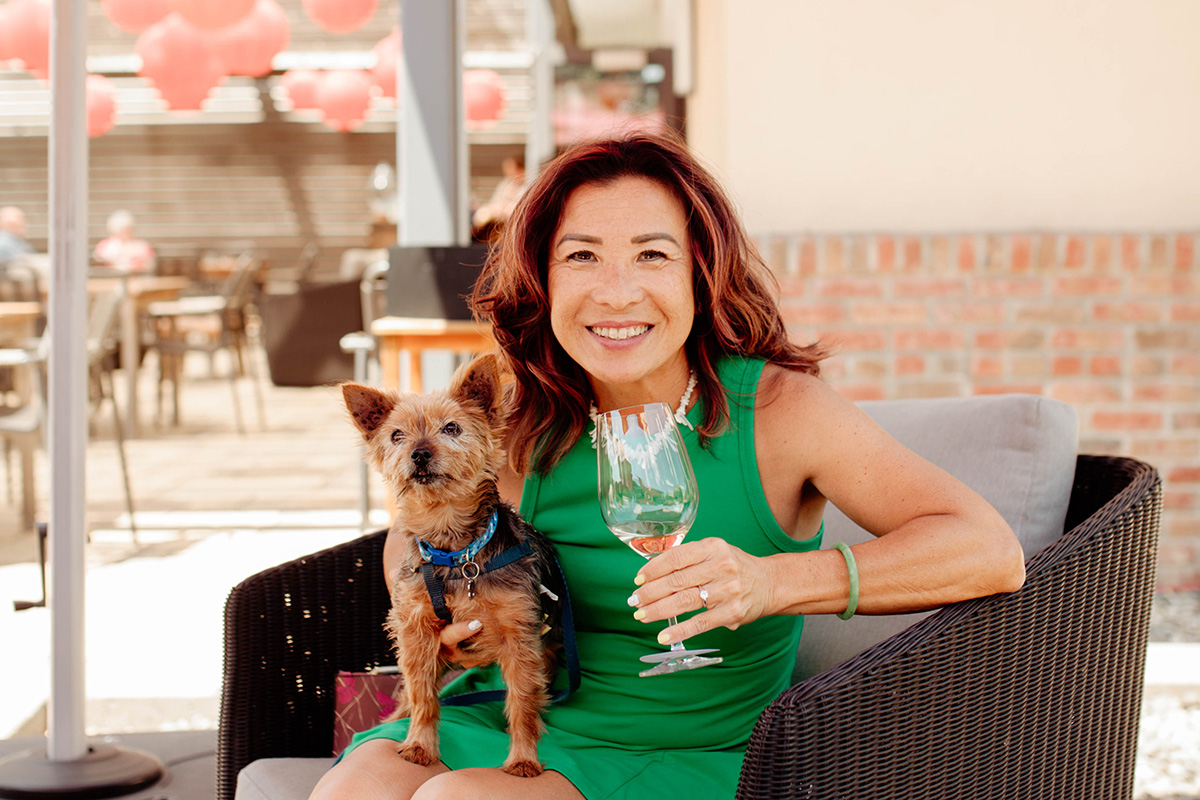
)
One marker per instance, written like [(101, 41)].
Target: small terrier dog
[(466, 554)]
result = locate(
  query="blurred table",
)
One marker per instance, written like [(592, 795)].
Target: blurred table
[(410, 336), (16, 322), (139, 292)]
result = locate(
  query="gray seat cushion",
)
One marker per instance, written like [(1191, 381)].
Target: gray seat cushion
[(1016, 450), (281, 778)]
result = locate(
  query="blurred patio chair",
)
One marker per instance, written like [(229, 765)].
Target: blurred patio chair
[(22, 424), (1036, 693), (209, 324), (23, 279), (102, 351), (373, 289), (307, 263)]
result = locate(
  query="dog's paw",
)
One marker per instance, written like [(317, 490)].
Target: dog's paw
[(524, 769), (416, 754)]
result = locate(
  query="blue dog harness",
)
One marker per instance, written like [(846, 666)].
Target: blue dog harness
[(464, 559)]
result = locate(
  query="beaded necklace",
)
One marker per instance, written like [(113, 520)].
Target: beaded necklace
[(680, 412)]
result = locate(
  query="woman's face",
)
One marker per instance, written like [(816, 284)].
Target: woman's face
[(620, 288)]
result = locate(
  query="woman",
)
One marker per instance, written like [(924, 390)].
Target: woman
[(624, 273), (122, 249)]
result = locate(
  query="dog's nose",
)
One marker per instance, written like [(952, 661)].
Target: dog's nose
[(421, 456)]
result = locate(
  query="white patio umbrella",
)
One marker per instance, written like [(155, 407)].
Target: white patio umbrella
[(69, 766)]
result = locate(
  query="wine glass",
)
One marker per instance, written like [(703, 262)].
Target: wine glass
[(648, 497)]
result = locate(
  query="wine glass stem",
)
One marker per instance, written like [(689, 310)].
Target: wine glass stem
[(676, 645)]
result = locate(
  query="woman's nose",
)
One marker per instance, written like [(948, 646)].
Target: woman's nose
[(618, 287)]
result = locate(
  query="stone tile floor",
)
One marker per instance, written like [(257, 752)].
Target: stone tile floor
[(213, 507)]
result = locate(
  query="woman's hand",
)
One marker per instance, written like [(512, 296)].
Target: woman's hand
[(453, 635), (452, 638), (738, 588)]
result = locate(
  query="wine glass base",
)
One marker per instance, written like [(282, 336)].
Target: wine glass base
[(679, 665), (668, 655)]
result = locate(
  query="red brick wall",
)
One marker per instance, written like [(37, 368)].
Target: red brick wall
[(1107, 322)]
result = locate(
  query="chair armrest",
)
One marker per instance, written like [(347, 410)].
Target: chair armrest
[(288, 630), (1031, 694)]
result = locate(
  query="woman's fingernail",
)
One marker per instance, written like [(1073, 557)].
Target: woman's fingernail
[(639, 579), (639, 614), (633, 599), (474, 625), (664, 638)]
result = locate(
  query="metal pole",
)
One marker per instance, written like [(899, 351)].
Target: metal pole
[(68, 378), (539, 139), (431, 151)]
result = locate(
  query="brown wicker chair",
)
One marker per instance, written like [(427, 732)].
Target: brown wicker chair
[(1032, 694)]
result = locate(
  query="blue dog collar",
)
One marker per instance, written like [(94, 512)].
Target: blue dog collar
[(446, 558)]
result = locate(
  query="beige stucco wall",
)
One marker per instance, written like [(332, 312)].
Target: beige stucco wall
[(849, 115)]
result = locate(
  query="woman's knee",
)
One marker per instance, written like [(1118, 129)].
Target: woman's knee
[(374, 770), (474, 783), (455, 785)]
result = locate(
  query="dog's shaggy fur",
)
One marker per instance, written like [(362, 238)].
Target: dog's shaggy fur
[(440, 454)]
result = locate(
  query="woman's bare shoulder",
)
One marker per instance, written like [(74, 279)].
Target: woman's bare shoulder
[(783, 393), (800, 416)]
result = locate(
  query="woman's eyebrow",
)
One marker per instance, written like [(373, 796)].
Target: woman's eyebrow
[(580, 237), (650, 237)]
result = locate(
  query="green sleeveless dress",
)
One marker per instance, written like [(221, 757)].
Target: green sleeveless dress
[(621, 736)]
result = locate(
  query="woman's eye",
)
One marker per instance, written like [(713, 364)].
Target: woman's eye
[(652, 255), (451, 429), (397, 436), (581, 255)]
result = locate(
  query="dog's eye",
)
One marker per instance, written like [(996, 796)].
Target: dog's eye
[(397, 436), (451, 429)]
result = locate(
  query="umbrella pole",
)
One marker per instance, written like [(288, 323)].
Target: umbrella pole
[(69, 766)]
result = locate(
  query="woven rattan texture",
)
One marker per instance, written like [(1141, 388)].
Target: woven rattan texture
[(288, 630), (1033, 694)]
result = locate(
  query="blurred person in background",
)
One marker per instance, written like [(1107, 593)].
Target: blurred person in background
[(490, 217), (122, 249), (12, 236)]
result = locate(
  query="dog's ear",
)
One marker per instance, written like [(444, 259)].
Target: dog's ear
[(478, 383), (368, 407)]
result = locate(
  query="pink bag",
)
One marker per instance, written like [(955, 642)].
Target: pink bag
[(362, 700)]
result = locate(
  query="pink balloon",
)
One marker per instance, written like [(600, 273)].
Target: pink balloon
[(301, 86), (387, 63), (134, 16), (6, 43), (180, 61), (483, 95), (29, 34), (248, 47), (212, 14), (340, 16), (345, 96), (101, 105)]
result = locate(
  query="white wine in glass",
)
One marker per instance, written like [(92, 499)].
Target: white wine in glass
[(648, 497)]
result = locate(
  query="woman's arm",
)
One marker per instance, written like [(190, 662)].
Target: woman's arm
[(938, 541)]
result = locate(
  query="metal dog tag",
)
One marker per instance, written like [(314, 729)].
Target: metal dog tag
[(471, 576)]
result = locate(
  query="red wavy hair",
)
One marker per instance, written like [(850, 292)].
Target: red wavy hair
[(734, 292)]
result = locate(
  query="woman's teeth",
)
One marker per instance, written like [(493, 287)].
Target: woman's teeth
[(620, 333)]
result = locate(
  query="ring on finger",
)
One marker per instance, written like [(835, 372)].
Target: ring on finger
[(704, 597)]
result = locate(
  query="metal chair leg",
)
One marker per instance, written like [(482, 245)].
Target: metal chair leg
[(119, 430), (251, 361)]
